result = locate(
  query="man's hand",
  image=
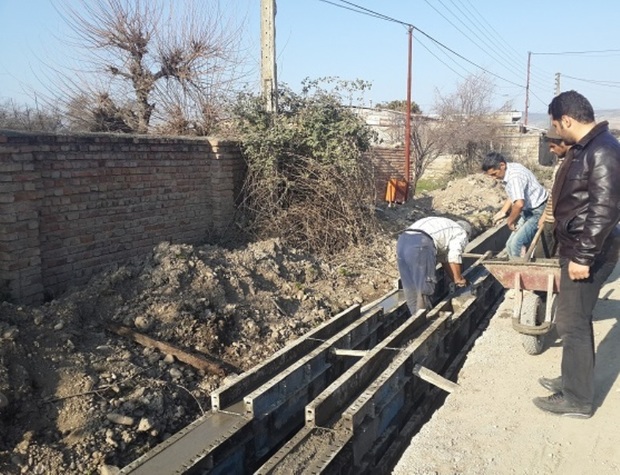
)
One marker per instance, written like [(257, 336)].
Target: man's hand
[(578, 271), (497, 217), (462, 282), (511, 225)]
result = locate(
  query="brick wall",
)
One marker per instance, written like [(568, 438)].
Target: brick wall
[(72, 204), (388, 162)]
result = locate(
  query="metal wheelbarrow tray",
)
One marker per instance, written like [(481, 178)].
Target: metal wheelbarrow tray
[(535, 282)]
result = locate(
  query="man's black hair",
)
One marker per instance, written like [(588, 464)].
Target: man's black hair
[(554, 140), (492, 160), (572, 104)]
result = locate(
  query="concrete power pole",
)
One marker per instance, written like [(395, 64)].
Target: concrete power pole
[(557, 84), (269, 80), (527, 87)]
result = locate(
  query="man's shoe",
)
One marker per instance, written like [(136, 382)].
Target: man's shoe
[(552, 384), (558, 404)]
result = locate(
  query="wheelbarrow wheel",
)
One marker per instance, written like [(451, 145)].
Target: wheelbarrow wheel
[(532, 314), (533, 344)]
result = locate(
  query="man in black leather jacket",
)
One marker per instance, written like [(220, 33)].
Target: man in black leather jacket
[(586, 208)]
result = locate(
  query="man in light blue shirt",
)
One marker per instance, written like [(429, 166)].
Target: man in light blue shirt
[(525, 204)]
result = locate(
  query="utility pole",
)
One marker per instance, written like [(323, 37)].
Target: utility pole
[(527, 88), (269, 80), (408, 118), (557, 84)]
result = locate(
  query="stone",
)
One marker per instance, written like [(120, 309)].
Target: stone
[(120, 419), (109, 470), (145, 425)]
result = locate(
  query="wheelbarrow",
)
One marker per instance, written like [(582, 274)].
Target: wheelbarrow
[(536, 284)]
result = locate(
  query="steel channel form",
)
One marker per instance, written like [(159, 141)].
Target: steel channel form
[(262, 419)]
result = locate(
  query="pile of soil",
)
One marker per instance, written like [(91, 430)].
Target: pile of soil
[(85, 397)]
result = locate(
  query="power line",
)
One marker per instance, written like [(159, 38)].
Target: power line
[(593, 53), (565, 53), (539, 99), (421, 43), (489, 47), (516, 53), (614, 84), (492, 45), (365, 11), (468, 61)]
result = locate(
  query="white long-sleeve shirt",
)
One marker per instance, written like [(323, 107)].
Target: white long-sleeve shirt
[(450, 239)]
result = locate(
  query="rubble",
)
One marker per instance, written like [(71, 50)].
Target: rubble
[(102, 374)]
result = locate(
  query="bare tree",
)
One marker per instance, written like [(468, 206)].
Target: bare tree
[(428, 141), (149, 64), (468, 120), (31, 118)]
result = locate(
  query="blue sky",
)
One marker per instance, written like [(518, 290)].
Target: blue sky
[(315, 38)]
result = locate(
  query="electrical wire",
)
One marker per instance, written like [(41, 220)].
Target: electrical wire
[(439, 43), (359, 9), (614, 84), (490, 44), (421, 43), (490, 49), (577, 53), (365, 11), (516, 55)]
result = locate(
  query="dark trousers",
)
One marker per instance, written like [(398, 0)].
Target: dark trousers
[(575, 304), (416, 258)]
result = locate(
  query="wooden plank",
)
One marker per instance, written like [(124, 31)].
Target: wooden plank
[(197, 362), (434, 378)]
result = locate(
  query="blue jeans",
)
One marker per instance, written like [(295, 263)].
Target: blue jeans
[(526, 229)]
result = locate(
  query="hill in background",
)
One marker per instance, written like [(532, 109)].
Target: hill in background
[(541, 120)]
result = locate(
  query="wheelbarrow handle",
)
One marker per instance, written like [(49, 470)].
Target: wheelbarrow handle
[(530, 250)]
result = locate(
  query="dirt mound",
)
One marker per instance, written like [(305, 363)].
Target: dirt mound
[(83, 397)]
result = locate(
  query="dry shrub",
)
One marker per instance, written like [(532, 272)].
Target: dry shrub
[(322, 208), (307, 182)]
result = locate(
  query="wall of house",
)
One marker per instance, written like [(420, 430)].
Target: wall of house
[(389, 162), (70, 205), (522, 148)]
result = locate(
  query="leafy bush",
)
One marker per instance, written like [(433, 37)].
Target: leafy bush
[(307, 181)]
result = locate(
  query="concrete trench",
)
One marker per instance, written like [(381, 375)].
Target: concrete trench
[(343, 398)]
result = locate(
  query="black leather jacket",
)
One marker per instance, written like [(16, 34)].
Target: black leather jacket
[(587, 187)]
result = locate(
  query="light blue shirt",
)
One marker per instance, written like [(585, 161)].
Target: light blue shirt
[(521, 184)]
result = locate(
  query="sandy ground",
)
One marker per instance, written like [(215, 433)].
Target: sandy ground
[(490, 426)]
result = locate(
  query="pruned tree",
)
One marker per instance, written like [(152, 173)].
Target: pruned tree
[(151, 65), (468, 120)]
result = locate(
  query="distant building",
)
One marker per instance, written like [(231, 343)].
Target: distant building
[(388, 124)]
